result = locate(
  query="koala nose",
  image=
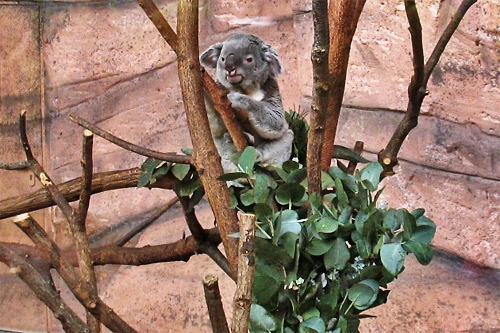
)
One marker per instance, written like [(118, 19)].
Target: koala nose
[(230, 65)]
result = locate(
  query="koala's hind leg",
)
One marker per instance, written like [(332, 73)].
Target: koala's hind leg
[(275, 152), (226, 148)]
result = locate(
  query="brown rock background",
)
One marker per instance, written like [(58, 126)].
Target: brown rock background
[(106, 62)]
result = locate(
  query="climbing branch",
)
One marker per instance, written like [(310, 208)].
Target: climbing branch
[(417, 89), (214, 304), (205, 157), (343, 18), (320, 93)]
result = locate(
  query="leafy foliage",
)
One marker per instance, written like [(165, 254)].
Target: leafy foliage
[(321, 260)]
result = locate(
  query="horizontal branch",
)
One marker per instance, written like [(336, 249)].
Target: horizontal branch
[(104, 181), (169, 157), (14, 165)]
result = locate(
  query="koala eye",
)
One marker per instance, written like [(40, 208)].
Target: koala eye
[(249, 60), (223, 59)]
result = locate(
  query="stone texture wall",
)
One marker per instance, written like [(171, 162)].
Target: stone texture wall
[(107, 63)]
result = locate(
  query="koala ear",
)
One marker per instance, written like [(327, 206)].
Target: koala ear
[(211, 55), (271, 57)]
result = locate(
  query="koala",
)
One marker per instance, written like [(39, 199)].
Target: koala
[(247, 67)]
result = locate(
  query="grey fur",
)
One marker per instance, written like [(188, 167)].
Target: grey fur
[(247, 67)]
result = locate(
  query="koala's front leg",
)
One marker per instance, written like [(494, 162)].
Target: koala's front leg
[(266, 117)]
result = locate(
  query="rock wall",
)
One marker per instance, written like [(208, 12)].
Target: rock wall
[(107, 63)]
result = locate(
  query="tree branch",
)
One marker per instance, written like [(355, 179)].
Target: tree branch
[(85, 262), (358, 149), (216, 94), (343, 17), (214, 304), (246, 274), (206, 158), (169, 157), (83, 290), (101, 182), (43, 290), (320, 96), (417, 89)]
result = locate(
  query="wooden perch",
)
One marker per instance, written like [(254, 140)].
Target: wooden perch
[(206, 158), (214, 304), (417, 89), (101, 182), (246, 274)]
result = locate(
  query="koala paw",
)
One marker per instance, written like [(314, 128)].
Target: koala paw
[(239, 100)]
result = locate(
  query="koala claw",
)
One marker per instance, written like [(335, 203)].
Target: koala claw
[(238, 100)]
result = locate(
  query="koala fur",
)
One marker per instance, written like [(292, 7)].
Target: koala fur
[(247, 66)]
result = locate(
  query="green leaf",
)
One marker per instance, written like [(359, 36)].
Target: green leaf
[(297, 176), (316, 202), (341, 195), (313, 325), (260, 189), (270, 253), (180, 170), (345, 215), (288, 222), (393, 220), (268, 281), (409, 223), (247, 197), (247, 160), (370, 175), (263, 211), (326, 181), (289, 192), (423, 235), (148, 167), (361, 295), (196, 198), (187, 150), (326, 225), (183, 189), (232, 176), (393, 257), (161, 171), (289, 242), (423, 252), (290, 166), (345, 153), (348, 180), (261, 320), (318, 247), (337, 256), (328, 302), (311, 313), (418, 212)]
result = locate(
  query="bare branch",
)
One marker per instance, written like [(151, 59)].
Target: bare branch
[(43, 290), (214, 304), (14, 165), (417, 89), (169, 157), (320, 96), (83, 290), (358, 149), (85, 262), (343, 19), (160, 22), (101, 182), (246, 273), (206, 157)]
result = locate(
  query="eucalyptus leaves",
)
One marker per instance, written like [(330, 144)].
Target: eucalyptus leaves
[(321, 259)]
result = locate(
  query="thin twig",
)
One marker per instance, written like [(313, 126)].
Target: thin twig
[(43, 290), (82, 243), (358, 149), (417, 89), (101, 182), (246, 273), (14, 165), (320, 96), (129, 146), (160, 22), (206, 158), (214, 304)]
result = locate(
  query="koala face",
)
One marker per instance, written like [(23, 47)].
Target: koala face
[(243, 61)]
